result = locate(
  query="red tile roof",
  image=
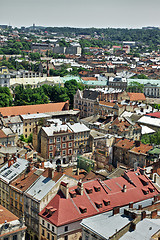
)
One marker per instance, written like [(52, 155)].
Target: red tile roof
[(6, 215), (136, 96), (2, 134), (25, 181), (40, 108), (142, 149), (68, 210), (125, 143), (155, 114)]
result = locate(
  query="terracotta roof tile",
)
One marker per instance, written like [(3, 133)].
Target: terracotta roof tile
[(40, 108), (136, 96), (6, 215), (68, 210)]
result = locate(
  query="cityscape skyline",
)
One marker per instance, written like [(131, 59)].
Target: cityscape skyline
[(104, 14)]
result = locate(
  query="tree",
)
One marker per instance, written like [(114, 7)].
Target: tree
[(135, 87)]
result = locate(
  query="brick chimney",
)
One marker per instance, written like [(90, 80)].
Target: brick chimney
[(42, 165), (10, 162), (115, 210), (26, 156), (65, 189), (143, 215), (50, 173), (154, 214)]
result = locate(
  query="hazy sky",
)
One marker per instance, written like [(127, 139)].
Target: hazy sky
[(82, 13)]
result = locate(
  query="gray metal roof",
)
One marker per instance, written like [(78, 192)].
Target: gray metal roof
[(40, 187), (10, 173), (144, 230), (104, 225), (78, 127)]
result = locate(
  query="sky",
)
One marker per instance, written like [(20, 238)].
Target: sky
[(81, 13)]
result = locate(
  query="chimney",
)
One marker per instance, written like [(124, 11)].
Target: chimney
[(154, 214), (142, 171), (42, 165), (65, 189), (10, 162), (143, 215), (131, 205), (115, 210), (26, 155), (137, 143), (50, 173), (124, 188), (133, 226), (80, 188)]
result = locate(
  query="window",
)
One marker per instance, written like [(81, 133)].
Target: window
[(25, 135), (64, 138), (52, 237), (25, 124), (70, 151), (64, 152), (66, 228), (15, 237), (66, 238), (63, 145), (52, 229), (70, 137), (58, 139), (48, 225), (50, 155), (42, 232), (30, 129), (42, 222), (50, 148), (50, 140), (25, 129), (48, 235), (70, 144)]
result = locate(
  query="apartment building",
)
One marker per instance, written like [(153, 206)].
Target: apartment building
[(81, 137), (8, 173), (61, 218), (7, 136)]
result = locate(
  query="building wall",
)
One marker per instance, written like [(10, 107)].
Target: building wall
[(4, 194)]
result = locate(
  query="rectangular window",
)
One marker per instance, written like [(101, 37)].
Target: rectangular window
[(48, 236), (42, 222), (50, 140), (15, 237), (52, 229), (58, 139), (42, 232), (66, 238), (64, 138), (64, 152), (50, 148), (70, 151), (48, 225), (66, 228), (25, 129), (63, 145), (70, 144), (50, 155)]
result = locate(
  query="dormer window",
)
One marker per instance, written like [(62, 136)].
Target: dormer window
[(106, 202), (83, 209), (89, 190), (97, 188), (98, 204)]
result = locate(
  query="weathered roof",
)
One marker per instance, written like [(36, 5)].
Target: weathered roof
[(30, 109)]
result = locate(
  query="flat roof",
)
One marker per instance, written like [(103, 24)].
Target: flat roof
[(105, 226)]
